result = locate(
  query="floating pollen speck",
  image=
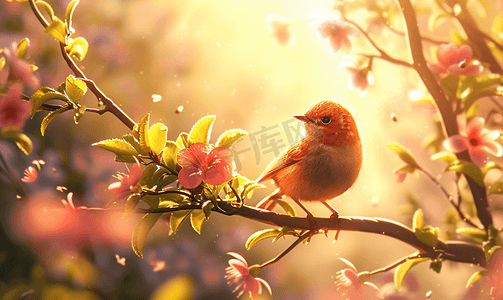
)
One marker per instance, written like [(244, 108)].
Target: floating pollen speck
[(156, 98), (179, 109), (120, 261), (393, 117), (61, 188)]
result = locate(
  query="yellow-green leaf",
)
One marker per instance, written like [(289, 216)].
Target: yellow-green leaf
[(22, 140), (51, 116), (69, 14), (177, 217), (197, 218), (448, 157), (249, 187), (404, 154), (201, 131), (78, 48), (428, 235), (418, 220), (57, 29), (228, 138), (75, 88), (207, 207), (48, 9), (157, 136), (78, 112), (22, 48), (42, 95), (2, 63), (117, 146), (287, 207), (169, 155), (402, 270), (260, 235), (469, 169), (181, 287), (143, 132), (131, 203), (474, 234), (134, 142), (141, 231), (183, 140), (476, 276)]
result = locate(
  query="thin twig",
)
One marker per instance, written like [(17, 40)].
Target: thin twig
[(277, 258), (53, 107), (449, 197), (396, 264), (12, 177)]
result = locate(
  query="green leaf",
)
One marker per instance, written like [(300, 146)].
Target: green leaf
[(117, 146), (143, 132), (228, 138), (457, 38), (131, 203), (22, 48), (404, 154), (428, 235), (249, 187), (201, 131), (157, 136), (207, 207), (157, 175), (78, 48), (22, 141), (436, 265), (181, 287), (402, 270), (197, 218), (165, 181), (476, 276), (469, 169), (448, 157), (57, 29), (148, 174), (134, 142), (51, 116), (287, 207), (2, 63), (169, 156), (75, 88), (48, 9), (260, 235), (183, 140), (474, 234), (141, 231), (450, 84), (42, 95), (69, 14), (418, 220), (496, 188), (177, 217), (124, 158)]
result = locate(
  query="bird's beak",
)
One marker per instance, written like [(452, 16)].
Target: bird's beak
[(301, 118)]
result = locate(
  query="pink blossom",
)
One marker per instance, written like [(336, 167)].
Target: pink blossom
[(158, 265), (474, 138), (495, 278), (126, 184), (69, 203), (280, 28), (120, 261), (400, 175), (21, 68), (354, 285), (30, 174), (204, 162), (361, 78), (338, 32), (238, 273), (14, 111), (455, 60)]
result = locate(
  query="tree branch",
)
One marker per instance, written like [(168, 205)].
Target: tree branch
[(110, 106), (443, 105)]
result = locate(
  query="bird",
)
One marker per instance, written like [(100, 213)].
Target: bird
[(320, 166)]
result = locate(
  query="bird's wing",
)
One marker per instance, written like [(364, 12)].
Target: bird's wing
[(288, 157)]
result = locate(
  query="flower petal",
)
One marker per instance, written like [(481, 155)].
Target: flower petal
[(475, 127), (134, 173), (190, 177), (223, 153), (267, 286), (470, 70), (456, 143), (238, 257), (30, 174), (478, 156), (218, 173), (438, 68), (464, 53), (239, 266), (194, 156), (494, 148)]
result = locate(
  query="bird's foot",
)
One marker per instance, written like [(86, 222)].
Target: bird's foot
[(335, 214)]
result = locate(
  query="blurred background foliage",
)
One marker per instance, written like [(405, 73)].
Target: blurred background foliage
[(211, 57)]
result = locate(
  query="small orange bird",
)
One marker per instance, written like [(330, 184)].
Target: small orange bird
[(322, 165)]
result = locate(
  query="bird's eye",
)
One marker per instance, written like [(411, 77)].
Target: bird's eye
[(325, 120)]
